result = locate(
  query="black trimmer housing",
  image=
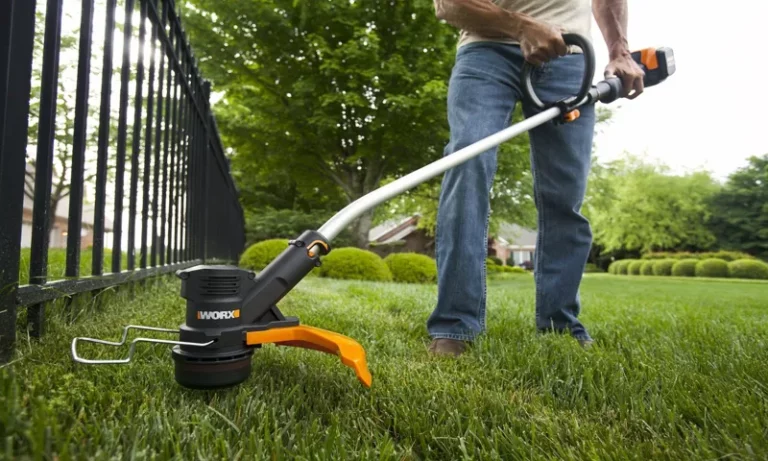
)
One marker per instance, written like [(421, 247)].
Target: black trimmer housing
[(225, 302)]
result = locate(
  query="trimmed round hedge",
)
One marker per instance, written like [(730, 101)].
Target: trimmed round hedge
[(748, 269), (613, 267), (646, 268), (712, 267), (685, 268), (352, 263), (634, 267), (411, 267), (260, 254), (663, 267), (494, 260), (622, 268), (507, 269)]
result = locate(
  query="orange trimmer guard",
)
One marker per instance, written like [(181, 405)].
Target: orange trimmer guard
[(349, 351)]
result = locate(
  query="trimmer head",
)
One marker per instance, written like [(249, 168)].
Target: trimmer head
[(231, 312), (202, 371)]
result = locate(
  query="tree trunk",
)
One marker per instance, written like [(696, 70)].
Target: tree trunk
[(360, 228)]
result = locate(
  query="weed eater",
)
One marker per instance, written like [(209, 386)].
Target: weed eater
[(231, 312)]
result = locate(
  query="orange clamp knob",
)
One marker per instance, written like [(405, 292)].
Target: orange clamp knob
[(571, 116)]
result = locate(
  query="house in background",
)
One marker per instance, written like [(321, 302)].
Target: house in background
[(58, 237), (514, 243), (60, 228), (402, 235)]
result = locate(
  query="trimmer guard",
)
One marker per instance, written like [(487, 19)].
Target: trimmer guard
[(349, 351)]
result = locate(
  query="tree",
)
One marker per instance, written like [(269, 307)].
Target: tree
[(328, 96), (65, 112), (638, 206), (740, 210)]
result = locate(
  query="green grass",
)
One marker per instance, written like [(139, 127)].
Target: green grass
[(57, 263), (679, 371)]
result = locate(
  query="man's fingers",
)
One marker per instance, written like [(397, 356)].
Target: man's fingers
[(627, 82), (537, 57), (533, 59), (561, 48), (638, 87)]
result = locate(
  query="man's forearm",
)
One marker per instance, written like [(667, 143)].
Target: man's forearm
[(481, 17), (611, 17)]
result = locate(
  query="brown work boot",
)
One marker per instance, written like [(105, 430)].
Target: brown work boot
[(445, 346)]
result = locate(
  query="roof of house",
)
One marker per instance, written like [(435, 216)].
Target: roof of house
[(517, 236), (393, 230), (511, 235)]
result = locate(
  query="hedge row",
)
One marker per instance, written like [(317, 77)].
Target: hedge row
[(724, 255), (744, 268), (494, 265), (356, 264), (351, 263)]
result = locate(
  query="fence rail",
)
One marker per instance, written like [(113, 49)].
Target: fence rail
[(142, 136)]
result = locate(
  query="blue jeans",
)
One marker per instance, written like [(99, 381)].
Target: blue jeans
[(483, 91)]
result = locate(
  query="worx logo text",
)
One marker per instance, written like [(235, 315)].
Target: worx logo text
[(218, 315)]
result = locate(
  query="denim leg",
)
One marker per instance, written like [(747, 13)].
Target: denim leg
[(482, 94), (560, 161)]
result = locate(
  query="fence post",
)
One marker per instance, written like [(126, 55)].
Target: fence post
[(38, 266), (17, 34), (206, 154)]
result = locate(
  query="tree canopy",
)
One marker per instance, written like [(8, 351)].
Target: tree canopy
[(740, 209), (638, 206), (325, 98)]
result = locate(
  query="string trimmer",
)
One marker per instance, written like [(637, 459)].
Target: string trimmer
[(231, 312)]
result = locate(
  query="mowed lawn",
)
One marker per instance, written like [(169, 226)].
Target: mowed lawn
[(679, 371)]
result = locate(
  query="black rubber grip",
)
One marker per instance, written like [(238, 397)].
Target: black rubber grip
[(607, 90)]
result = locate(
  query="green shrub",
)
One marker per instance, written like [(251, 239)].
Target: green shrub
[(354, 264), (670, 255), (613, 268), (729, 255), (492, 261), (722, 254), (591, 268), (622, 268), (411, 267), (712, 267), (685, 268), (748, 269), (514, 270), (634, 267), (260, 254), (646, 268), (663, 266)]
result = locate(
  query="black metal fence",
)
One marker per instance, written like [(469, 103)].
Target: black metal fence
[(162, 193)]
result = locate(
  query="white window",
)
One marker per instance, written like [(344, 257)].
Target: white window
[(26, 235)]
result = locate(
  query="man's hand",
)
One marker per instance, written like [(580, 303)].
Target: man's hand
[(611, 17), (541, 42), (630, 73)]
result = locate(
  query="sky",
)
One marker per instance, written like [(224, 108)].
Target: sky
[(710, 113)]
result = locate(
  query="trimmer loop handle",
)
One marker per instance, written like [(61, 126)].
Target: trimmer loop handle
[(586, 82)]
